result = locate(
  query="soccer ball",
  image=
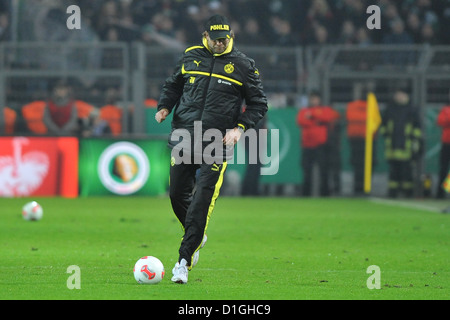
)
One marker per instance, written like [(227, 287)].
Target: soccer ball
[(32, 211), (148, 270)]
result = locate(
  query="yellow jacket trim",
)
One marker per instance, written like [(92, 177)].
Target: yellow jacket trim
[(184, 71), (226, 78), (192, 48)]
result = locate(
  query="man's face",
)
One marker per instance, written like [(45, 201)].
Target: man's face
[(61, 96), (401, 98), (314, 100), (217, 46)]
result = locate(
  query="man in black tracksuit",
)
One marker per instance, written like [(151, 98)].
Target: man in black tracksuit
[(206, 91)]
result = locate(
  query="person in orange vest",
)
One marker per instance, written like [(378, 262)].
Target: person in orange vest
[(10, 117), (314, 121), (356, 132), (443, 120), (61, 115), (150, 103), (111, 113)]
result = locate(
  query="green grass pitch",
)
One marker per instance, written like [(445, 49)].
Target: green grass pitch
[(258, 249)]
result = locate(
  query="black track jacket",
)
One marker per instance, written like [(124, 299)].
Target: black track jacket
[(211, 88)]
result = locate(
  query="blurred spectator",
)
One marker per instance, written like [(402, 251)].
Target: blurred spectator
[(319, 23), (98, 126), (9, 118), (319, 36), (353, 10), (110, 34), (112, 57), (252, 33), (109, 119), (362, 37), (403, 142), (161, 31), (116, 15), (282, 35), (348, 33), (5, 28), (413, 26), (426, 10), (389, 11), (319, 13), (142, 10), (444, 22), (443, 120), (427, 35), (60, 115), (398, 34), (314, 121), (49, 23), (180, 22), (107, 16)]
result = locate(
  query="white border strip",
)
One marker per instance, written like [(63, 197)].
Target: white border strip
[(404, 204)]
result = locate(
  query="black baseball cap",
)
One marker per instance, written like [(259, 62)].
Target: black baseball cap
[(218, 27)]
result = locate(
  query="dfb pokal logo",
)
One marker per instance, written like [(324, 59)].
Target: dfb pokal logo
[(123, 168)]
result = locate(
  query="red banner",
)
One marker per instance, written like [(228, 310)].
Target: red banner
[(38, 166)]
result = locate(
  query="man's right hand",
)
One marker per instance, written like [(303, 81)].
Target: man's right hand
[(161, 115)]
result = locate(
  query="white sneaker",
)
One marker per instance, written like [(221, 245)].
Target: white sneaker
[(180, 272), (175, 267), (196, 255), (195, 258), (205, 238)]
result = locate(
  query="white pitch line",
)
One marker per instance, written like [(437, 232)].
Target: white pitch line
[(410, 205)]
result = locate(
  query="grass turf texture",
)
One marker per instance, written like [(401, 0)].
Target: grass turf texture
[(261, 248)]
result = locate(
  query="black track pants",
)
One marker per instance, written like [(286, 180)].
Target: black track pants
[(193, 208)]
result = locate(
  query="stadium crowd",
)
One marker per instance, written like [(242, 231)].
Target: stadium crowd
[(255, 22), (179, 23)]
